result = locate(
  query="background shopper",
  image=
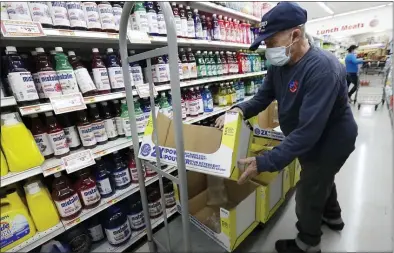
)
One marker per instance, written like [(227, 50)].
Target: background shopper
[(352, 63)]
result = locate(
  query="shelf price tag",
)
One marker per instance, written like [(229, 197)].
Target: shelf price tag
[(21, 28), (78, 161), (143, 90), (68, 103), (138, 37)]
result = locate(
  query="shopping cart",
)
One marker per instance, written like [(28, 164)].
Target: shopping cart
[(369, 95)]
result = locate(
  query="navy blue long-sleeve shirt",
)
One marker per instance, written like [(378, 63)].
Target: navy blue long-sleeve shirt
[(314, 113)]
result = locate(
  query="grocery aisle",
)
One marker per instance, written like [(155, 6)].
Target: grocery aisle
[(365, 193)]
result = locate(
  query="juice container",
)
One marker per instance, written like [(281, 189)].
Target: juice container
[(233, 93), (117, 9), (84, 80), (182, 14), (208, 63), (200, 101), (241, 62), (209, 28), (109, 122), (92, 16), (118, 119), (184, 64), (106, 17), (40, 13), (185, 98), (177, 19), (180, 71), (204, 27), (197, 25), (139, 20), (41, 206), (161, 24), (191, 31), (100, 73), (247, 33), (201, 67), (226, 28), (133, 167), (213, 64), (17, 142), (135, 71), (120, 172), (36, 78), (219, 64), (229, 92), (87, 189), (152, 18), (193, 103), (65, 73), (165, 107), (222, 28), (207, 100), (114, 71), (222, 95), (57, 137), (41, 136), (139, 117), (20, 79), (59, 15), (70, 130), (232, 30), (235, 31), (125, 119), (215, 28), (18, 11), (86, 131), (98, 125), (104, 182), (225, 67), (192, 64), (161, 69), (65, 197), (76, 15), (235, 64), (48, 77)]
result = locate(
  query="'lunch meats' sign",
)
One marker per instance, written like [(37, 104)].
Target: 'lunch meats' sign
[(340, 29)]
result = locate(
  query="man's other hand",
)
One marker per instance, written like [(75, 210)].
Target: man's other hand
[(219, 123), (248, 166)]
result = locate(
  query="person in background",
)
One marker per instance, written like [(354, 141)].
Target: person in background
[(352, 63), (314, 114)]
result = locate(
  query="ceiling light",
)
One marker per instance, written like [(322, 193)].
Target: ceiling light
[(326, 8)]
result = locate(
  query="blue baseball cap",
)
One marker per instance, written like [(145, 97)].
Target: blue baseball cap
[(283, 16)]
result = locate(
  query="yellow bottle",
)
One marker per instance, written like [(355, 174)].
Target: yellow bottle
[(222, 95), (41, 206), (4, 165), (229, 92), (233, 94), (18, 144), (16, 224)]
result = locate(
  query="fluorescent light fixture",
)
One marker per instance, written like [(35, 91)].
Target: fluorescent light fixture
[(379, 31), (326, 8)]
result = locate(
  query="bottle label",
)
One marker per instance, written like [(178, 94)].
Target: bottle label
[(190, 29), (185, 70), (184, 110), (50, 83), (22, 86), (139, 21), (178, 26), (69, 206), (106, 16), (117, 15), (119, 125), (170, 198), (43, 144), (122, 177), (99, 131), (152, 21), (76, 14), (219, 69), (200, 105), (194, 107), (58, 141), (202, 70), (161, 24), (119, 234), (225, 68), (134, 174), (155, 208), (198, 28), (18, 11), (110, 128), (72, 136), (141, 123), (161, 72), (59, 13), (116, 77), (136, 220), (208, 104), (180, 71), (87, 135), (184, 27), (222, 32), (192, 69), (90, 196), (40, 12), (92, 15), (126, 126), (84, 80), (222, 100), (100, 76), (209, 70), (104, 186), (68, 81), (216, 33), (36, 80), (96, 233), (136, 74)]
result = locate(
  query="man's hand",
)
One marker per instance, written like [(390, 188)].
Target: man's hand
[(248, 166), (219, 123)]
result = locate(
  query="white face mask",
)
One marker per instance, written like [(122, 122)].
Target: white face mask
[(277, 55)]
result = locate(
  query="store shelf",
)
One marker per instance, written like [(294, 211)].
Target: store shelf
[(106, 202), (13, 177), (38, 239), (106, 247), (7, 101)]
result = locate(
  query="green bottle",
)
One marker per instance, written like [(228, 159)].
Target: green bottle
[(139, 117), (218, 62), (207, 63), (65, 73), (125, 118), (165, 107), (213, 64), (201, 68)]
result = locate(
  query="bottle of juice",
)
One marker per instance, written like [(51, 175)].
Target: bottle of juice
[(184, 65), (230, 30), (117, 9), (233, 93), (194, 103), (200, 101), (209, 28), (116, 113), (165, 107), (177, 18), (65, 73), (41, 136), (201, 68), (87, 189), (98, 125), (57, 137), (76, 15), (59, 15), (222, 95), (192, 64), (133, 167), (204, 27), (104, 181), (139, 117), (182, 14), (85, 130), (225, 67), (36, 78), (48, 76), (107, 17), (40, 13), (161, 24), (191, 31), (235, 63), (213, 64), (92, 16), (84, 80), (136, 71), (120, 172), (180, 71), (229, 93), (139, 20), (125, 119), (152, 18), (218, 62), (70, 130), (247, 32), (215, 93), (241, 62), (222, 28), (227, 28), (207, 99), (235, 31), (161, 69), (215, 28), (208, 63), (114, 71), (65, 197), (109, 122), (197, 25), (186, 99), (100, 73)]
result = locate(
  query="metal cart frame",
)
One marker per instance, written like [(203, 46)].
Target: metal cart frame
[(172, 51)]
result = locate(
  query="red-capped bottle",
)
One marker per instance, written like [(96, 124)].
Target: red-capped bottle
[(85, 82), (56, 135), (85, 130), (87, 190), (47, 75), (98, 125), (65, 197), (40, 135), (100, 73), (109, 121), (70, 130), (133, 167)]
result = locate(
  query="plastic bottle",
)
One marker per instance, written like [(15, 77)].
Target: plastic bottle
[(95, 229), (225, 67), (135, 215), (59, 15), (192, 65), (104, 182), (154, 202), (204, 27), (194, 103), (65, 197), (161, 69), (139, 20), (200, 100), (191, 31), (118, 119), (18, 11), (218, 62), (87, 189), (242, 90), (184, 65), (117, 9), (100, 73), (136, 71), (247, 33), (116, 225), (161, 24), (233, 93), (70, 130), (222, 95), (36, 78), (230, 30), (85, 82), (177, 18), (169, 196), (139, 117), (197, 25), (146, 109), (85, 129), (229, 94), (109, 122), (207, 99), (182, 14), (227, 28), (185, 98), (180, 70), (241, 62), (65, 73), (133, 167), (41, 136), (125, 119), (107, 17), (152, 18), (57, 137), (209, 28), (76, 15), (215, 28), (114, 71), (213, 64), (98, 125), (165, 107), (208, 63), (222, 28), (20, 79), (92, 16), (201, 68), (48, 77), (235, 31), (120, 172), (40, 13)]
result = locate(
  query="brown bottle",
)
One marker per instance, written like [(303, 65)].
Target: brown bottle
[(85, 130), (85, 82), (57, 137), (98, 125)]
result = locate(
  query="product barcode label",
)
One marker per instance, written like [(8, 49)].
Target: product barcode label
[(20, 28), (68, 103), (78, 161)]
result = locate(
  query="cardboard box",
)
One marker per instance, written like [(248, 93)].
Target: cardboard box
[(295, 172), (207, 149), (237, 219), (265, 122)]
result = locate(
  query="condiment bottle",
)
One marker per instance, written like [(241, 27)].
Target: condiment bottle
[(98, 125), (100, 73), (57, 137), (87, 189), (109, 122), (41, 136), (85, 130)]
